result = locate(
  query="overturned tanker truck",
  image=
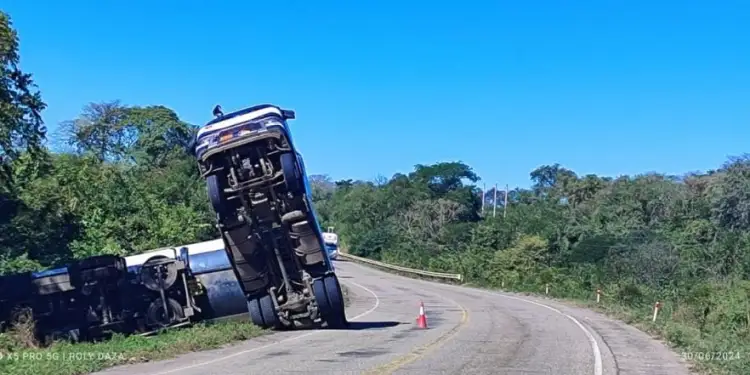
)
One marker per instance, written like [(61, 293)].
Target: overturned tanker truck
[(258, 188), (92, 298)]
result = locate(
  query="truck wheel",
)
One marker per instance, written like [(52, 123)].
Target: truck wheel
[(336, 298), (328, 311), (215, 194), (319, 291), (256, 316), (262, 312), (155, 281), (292, 175), (157, 318)]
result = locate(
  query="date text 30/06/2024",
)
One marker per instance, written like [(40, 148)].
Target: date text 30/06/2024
[(712, 356)]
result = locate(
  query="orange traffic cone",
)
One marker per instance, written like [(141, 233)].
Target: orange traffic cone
[(422, 319)]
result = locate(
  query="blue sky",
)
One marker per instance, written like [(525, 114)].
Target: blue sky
[(606, 87)]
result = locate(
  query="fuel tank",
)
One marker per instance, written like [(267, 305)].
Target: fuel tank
[(209, 263)]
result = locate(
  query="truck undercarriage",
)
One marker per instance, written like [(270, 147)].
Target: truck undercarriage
[(258, 192)]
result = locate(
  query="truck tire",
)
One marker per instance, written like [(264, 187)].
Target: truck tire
[(157, 318), (262, 312), (292, 175), (149, 277), (216, 194), (336, 298), (329, 302)]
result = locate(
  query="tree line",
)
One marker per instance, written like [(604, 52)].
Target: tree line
[(681, 240), (122, 180)]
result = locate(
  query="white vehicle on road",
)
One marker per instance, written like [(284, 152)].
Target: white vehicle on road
[(331, 241)]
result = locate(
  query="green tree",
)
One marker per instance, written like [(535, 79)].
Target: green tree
[(21, 126)]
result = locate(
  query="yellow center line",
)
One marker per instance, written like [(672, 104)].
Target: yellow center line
[(420, 352)]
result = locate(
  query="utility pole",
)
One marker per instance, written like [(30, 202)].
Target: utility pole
[(484, 188), (494, 202), (505, 205)]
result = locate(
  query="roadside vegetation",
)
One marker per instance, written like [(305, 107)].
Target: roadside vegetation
[(120, 179), (20, 354), (680, 240)]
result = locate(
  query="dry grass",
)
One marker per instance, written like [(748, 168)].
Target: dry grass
[(21, 354), (23, 328)]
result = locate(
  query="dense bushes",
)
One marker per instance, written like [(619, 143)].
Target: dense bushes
[(680, 240)]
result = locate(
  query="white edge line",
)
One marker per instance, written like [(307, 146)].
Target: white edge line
[(598, 370), (594, 344), (368, 312)]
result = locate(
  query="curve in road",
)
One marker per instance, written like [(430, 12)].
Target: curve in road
[(471, 331)]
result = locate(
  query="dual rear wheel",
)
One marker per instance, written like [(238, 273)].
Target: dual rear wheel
[(328, 295), (263, 313), (327, 291)]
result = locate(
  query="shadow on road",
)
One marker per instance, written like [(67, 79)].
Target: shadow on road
[(359, 326)]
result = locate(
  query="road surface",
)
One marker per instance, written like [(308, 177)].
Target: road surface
[(469, 332)]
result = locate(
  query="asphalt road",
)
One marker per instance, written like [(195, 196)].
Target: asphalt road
[(469, 332)]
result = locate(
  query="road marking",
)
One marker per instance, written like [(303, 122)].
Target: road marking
[(592, 340), (420, 352), (598, 370), (368, 312)]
